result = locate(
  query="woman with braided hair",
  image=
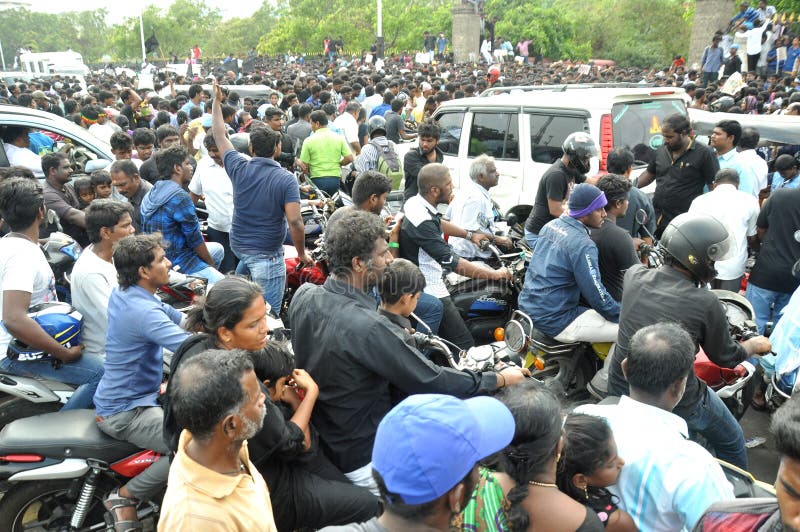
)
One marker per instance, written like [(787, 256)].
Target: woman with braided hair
[(525, 473)]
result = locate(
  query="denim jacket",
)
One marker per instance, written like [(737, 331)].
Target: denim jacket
[(564, 268)]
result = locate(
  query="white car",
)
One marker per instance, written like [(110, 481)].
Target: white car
[(523, 128)]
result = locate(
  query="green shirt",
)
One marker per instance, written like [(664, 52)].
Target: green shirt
[(323, 151)]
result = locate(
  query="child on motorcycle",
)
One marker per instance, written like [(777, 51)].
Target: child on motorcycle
[(400, 290), (589, 464)]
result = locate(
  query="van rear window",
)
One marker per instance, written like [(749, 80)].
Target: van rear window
[(637, 125)]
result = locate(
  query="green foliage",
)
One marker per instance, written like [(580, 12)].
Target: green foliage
[(303, 24), (641, 33)]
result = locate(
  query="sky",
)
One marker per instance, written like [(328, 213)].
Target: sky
[(118, 10)]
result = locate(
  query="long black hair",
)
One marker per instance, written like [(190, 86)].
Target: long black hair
[(223, 305), (537, 416), (585, 451)]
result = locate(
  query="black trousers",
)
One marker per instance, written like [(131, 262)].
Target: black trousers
[(752, 61), (314, 494), (230, 261), (453, 327)]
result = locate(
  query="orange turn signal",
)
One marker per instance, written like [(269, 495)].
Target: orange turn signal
[(538, 363), (499, 334)]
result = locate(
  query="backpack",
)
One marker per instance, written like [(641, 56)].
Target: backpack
[(389, 163)]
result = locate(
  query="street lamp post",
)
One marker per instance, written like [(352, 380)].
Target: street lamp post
[(380, 42), (2, 56)]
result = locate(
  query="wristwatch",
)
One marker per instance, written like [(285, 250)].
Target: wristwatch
[(469, 235)]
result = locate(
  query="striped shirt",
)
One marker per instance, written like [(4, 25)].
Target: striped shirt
[(667, 481)]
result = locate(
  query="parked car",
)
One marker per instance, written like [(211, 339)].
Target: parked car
[(96, 154), (523, 128)]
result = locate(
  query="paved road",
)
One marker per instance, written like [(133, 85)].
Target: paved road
[(763, 459)]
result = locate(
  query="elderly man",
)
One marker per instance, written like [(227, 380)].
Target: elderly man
[(216, 398), (473, 210)]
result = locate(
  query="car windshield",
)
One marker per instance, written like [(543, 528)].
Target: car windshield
[(637, 125)]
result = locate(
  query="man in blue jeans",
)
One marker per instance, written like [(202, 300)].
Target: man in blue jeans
[(266, 198), (25, 280), (168, 209), (771, 282)]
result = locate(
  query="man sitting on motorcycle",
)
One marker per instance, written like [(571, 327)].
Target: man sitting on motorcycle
[(355, 355), (94, 276), (566, 269), (422, 242), (25, 280), (676, 292), (139, 327), (473, 209), (370, 191), (615, 247)]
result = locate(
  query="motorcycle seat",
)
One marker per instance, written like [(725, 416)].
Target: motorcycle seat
[(545, 342), (71, 434)]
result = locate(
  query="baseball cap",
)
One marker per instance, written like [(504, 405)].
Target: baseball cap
[(428, 443), (39, 95), (734, 46)]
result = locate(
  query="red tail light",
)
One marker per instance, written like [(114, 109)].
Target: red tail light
[(606, 140), (21, 458)]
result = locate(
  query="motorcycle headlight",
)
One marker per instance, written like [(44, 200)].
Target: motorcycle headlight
[(516, 339)]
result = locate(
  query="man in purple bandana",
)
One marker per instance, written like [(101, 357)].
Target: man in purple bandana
[(565, 269)]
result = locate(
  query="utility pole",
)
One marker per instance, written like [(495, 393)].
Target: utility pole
[(141, 35)]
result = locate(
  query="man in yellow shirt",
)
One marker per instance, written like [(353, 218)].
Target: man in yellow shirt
[(323, 154), (217, 400)]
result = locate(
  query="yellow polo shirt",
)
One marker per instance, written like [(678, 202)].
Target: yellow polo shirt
[(199, 499)]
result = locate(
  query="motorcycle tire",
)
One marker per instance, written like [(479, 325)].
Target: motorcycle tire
[(13, 408), (739, 407), (567, 376), (48, 505)]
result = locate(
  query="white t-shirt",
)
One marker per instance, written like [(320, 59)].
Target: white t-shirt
[(347, 123), (23, 267), (93, 279), (212, 181), (24, 157), (738, 210)]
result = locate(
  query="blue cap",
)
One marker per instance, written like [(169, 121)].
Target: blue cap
[(206, 120), (428, 443)]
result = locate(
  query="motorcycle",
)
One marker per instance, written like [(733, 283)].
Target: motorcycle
[(567, 368), (61, 252), (486, 305), (182, 291), (56, 469)]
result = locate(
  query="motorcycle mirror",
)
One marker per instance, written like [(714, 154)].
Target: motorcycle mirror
[(797, 235), (796, 270), (641, 217), (420, 322), (511, 219)]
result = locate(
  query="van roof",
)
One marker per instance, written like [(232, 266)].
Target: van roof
[(567, 96)]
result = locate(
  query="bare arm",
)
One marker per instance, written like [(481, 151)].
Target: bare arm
[(217, 123), (477, 270), (302, 415), (75, 217), (21, 326), (645, 179), (346, 160), (195, 197), (205, 256), (297, 230), (555, 207), (356, 147), (303, 165)]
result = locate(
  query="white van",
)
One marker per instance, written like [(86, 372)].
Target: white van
[(523, 128)]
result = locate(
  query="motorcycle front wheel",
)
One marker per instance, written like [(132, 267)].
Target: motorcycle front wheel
[(48, 505)]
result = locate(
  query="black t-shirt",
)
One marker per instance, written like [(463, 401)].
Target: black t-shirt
[(615, 254), (556, 184), (780, 216), (666, 295), (148, 170), (682, 180), (394, 125)]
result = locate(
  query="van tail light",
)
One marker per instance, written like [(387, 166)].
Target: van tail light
[(606, 140)]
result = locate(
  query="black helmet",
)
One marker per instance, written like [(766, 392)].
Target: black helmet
[(697, 241), (722, 104), (376, 123), (580, 147), (241, 141)]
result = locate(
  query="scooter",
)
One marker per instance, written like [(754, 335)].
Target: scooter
[(56, 469)]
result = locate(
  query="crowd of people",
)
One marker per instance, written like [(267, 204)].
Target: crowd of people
[(353, 427)]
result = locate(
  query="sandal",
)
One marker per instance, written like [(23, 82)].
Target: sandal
[(114, 502)]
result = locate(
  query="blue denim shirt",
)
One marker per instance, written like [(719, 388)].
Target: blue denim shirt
[(564, 268), (139, 325)]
